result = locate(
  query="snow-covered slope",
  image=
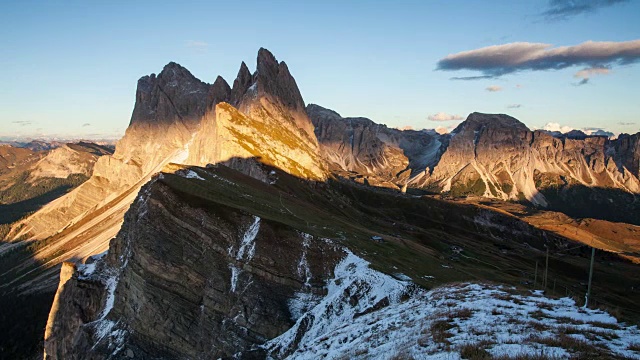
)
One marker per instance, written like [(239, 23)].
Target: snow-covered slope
[(370, 315)]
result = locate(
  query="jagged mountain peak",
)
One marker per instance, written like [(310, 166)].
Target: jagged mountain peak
[(220, 91), (241, 84), (274, 79), (173, 95), (266, 58)]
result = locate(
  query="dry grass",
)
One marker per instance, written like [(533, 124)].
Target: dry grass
[(580, 348), (538, 314), (463, 313), (475, 351), (540, 356), (440, 331), (402, 355), (568, 320), (604, 325), (538, 326)]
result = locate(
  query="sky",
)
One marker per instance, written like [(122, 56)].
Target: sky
[(69, 69)]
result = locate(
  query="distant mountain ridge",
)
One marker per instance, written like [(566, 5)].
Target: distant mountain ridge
[(490, 155)]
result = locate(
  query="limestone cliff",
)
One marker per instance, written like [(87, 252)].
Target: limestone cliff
[(498, 156), (382, 154), (178, 118), (186, 280), (492, 155)]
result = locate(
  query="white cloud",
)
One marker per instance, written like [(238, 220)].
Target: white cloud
[(556, 127), (444, 130), (406, 127), (442, 116), (552, 126), (498, 60)]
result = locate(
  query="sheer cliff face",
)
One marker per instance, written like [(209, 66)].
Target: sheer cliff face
[(491, 155), (180, 271), (174, 119), (359, 145), (263, 118), (498, 156)]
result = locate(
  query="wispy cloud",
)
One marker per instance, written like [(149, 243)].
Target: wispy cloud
[(86, 124), (626, 123), (514, 106), (581, 82), (498, 60), (23, 122), (197, 45), (494, 88), (472, 77), (587, 73), (564, 9), (441, 116)]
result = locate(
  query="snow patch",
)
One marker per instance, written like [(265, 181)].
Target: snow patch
[(246, 251), (235, 272), (303, 265), (190, 174), (370, 315), (248, 243)]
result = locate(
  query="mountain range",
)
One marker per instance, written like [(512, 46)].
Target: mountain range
[(227, 214)]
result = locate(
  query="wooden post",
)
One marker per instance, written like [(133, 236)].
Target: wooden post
[(546, 270), (587, 298)]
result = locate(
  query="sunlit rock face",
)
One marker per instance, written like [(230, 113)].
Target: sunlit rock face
[(386, 156), (497, 156), (174, 120)]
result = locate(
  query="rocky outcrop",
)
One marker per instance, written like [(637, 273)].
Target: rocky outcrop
[(491, 155), (627, 153), (69, 159), (175, 95), (183, 280), (498, 156), (172, 119), (363, 147)]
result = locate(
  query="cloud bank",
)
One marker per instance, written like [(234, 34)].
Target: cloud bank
[(441, 116), (497, 60), (556, 127), (563, 9)]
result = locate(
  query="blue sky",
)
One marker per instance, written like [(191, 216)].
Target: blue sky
[(69, 69)]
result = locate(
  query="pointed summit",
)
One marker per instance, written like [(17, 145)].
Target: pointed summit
[(275, 80), (240, 84), (174, 95), (219, 92)]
